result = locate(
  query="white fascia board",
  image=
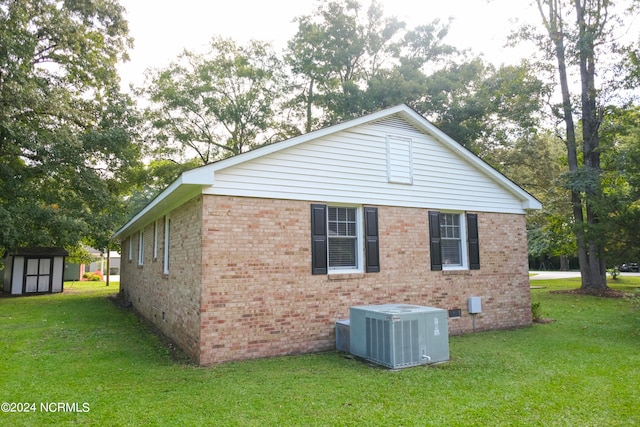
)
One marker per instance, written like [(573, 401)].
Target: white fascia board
[(199, 176), (190, 182)]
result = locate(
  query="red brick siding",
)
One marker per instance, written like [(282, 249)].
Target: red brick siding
[(259, 298), (177, 294)]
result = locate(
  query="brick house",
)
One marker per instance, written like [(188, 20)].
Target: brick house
[(259, 254)]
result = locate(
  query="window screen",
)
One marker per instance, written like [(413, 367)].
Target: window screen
[(451, 242), (342, 235)]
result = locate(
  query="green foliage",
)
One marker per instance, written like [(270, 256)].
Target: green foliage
[(536, 311), (214, 105), (92, 277), (65, 131), (579, 42), (147, 181), (80, 347), (334, 55), (484, 108), (79, 254)]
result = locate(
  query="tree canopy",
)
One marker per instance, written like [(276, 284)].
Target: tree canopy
[(214, 105), (65, 130), (579, 39)]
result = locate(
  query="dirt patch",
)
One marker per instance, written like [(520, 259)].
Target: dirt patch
[(606, 293), (543, 321)]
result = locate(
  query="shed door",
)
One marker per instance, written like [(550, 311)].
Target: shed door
[(37, 277)]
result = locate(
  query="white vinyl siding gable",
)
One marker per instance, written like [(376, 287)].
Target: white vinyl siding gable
[(351, 166)]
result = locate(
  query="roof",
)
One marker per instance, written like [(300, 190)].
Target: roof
[(39, 251), (192, 183)]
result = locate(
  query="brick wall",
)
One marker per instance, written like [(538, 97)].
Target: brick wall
[(170, 301), (260, 299)]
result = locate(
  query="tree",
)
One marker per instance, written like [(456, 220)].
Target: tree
[(418, 57), (334, 54), (482, 107), (217, 104), (535, 162), (620, 133), (577, 33), (65, 131)]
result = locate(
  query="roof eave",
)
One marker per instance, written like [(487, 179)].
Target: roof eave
[(187, 186)]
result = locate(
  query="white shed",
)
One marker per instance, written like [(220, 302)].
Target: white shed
[(34, 271)]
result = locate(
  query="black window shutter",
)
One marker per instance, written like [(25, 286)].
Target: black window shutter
[(372, 240), (318, 239), (434, 239), (474, 244)]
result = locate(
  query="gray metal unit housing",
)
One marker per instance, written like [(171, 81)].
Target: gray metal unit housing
[(342, 335), (399, 335)]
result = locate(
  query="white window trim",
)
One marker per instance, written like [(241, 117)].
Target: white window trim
[(130, 251), (464, 245), (155, 239), (167, 243), (359, 241), (141, 247)]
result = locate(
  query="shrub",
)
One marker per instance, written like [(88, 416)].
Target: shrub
[(536, 312), (92, 277)]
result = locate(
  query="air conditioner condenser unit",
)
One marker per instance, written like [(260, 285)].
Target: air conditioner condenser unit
[(399, 335)]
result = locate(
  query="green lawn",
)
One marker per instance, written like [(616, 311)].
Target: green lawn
[(83, 351)]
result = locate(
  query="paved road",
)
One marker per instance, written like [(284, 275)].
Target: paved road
[(543, 275)]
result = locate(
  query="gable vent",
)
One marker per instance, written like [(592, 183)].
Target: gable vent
[(399, 160), (396, 123)]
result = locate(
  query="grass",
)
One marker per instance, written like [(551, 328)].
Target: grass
[(582, 369)]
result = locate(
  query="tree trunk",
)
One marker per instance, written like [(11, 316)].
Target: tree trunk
[(590, 253), (309, 124), (594, 275), (108, 272)]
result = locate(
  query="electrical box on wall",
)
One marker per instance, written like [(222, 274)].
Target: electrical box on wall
[(475, 305)]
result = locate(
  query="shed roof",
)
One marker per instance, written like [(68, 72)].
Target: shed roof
[(39, 251)]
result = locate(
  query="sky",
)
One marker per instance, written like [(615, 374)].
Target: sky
[(162, 29)]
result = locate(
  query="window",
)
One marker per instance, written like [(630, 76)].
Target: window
[(454, 242), (141, 247), (343, 238), (130, 251), (337, 239), (167, 244), (451, 240)]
